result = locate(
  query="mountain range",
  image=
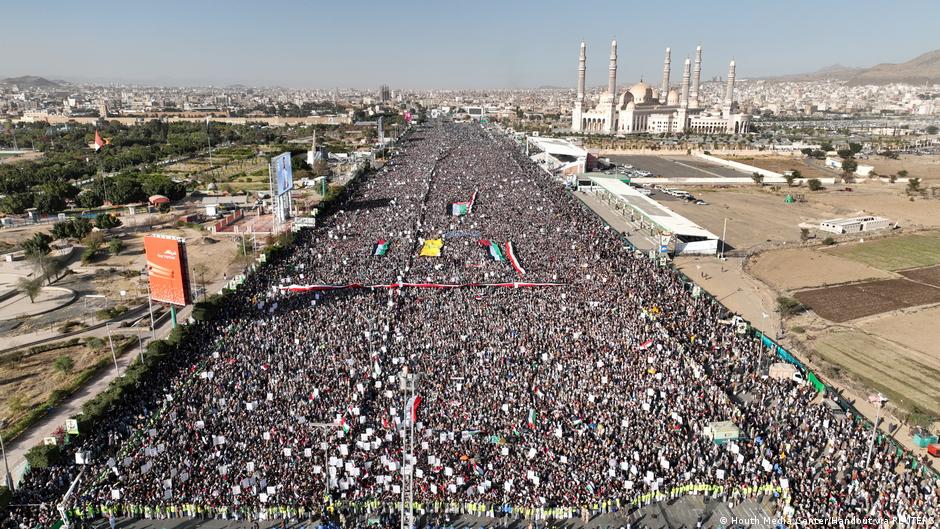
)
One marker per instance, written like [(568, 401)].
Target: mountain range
[(30, 81), (919, 70)]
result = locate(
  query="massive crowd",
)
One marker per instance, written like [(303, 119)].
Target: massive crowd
[(586, 395)]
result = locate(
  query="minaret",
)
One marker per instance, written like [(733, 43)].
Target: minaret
[(686, 74), (579, 100), (682, 115), (729, 88), (612, 88), (664, 87), (696, 78)]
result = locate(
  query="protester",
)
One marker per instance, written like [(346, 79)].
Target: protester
[(584, 396)]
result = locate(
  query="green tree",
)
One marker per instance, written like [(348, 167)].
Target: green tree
[(74, 228), (32, 287), (855, 148), (825, 146), (932, 130), (849, 166), (115, 246), (757, 178), (913, 186), (64, 364), (106, 220), (88, 199), (16, 203), (902, 173), (814, 184), (47, 202), (845, 154), (38, 244), (789, 306)]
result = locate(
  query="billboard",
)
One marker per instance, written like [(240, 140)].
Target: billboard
[(283, 174), (167, 269)]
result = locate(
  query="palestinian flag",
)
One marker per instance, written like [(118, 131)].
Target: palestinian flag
[(381, 246), (473, 199), (344, 424), (646, 344), (513, 260), (459, 209), (530, 420), (411, 410), (493, 247)]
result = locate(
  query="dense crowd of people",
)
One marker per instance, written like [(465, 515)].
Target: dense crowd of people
[(590, 394)]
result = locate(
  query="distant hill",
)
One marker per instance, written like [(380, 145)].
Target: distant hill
[(921, 69), (30, 81)]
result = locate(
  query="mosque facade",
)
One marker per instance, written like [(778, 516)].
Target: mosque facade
[(661, 110)]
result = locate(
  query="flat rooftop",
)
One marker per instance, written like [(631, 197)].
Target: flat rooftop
[(657, 213)]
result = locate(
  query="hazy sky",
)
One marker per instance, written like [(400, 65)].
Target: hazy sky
[(447, 43)]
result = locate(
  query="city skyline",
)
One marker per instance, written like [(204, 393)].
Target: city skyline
[(308, 45)]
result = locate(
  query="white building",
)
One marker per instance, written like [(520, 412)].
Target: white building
[(644, 109), (854, 224), (557, 156)]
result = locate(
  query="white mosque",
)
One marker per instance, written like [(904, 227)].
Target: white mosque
[(664, 110)]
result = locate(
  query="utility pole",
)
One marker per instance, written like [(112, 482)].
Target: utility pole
[(408, 459), (111, 343), (724, 231)]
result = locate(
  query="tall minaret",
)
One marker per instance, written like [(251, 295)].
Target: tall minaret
[(729, 88), (612, 88), (686, 74), (664, 87), (682, 115), (576, 124), (696, 78)]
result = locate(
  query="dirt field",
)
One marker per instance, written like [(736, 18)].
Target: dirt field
[(927, 168), (848, 302), (209, 258), (801, 268), (895, 253), (907, 376), (754, 216), (929, 275), (28, 379)]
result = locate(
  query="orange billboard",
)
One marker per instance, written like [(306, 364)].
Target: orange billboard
[(168, 270)]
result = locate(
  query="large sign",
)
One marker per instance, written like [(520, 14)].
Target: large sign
[(283, 174), (168, 269)]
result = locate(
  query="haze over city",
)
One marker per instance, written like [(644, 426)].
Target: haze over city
[(424, 44)]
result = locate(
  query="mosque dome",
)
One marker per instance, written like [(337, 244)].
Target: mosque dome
[(630, 106), (625, 99), (641, 92), (673, 98)]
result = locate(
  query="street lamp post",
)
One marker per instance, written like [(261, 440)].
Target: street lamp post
[(8, 478), (140, 344), (880, 399), (111, 344)]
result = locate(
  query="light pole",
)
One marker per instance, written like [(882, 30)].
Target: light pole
[(153, 330), (326, 427), (111, 343), (140, 344), (8, 478), (880, 400), (724, 230)]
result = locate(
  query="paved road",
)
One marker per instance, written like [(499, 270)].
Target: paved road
[(677, 166)]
